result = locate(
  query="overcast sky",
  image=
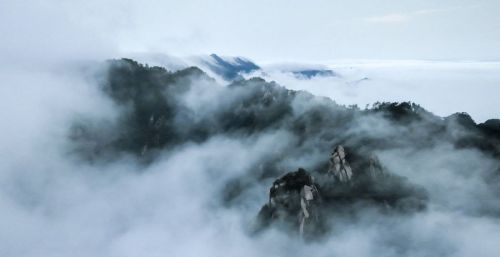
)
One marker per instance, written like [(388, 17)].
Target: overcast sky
[(37, 34), (271, 31)]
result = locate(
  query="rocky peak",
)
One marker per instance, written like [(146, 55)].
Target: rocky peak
[(339, 167), (300, 201)]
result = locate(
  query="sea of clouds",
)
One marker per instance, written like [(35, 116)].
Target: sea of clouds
[(53, 204)]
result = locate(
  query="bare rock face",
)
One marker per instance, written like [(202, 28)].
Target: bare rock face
[(294, 202), (339, 167), (301, 203)]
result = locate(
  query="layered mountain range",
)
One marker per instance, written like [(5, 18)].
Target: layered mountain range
[(160, 110), (230, 68)]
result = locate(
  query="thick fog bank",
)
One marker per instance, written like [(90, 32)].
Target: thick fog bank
[(122, 159)]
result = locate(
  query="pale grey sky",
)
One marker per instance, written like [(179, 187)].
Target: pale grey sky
[(38, 34), (280, 30)]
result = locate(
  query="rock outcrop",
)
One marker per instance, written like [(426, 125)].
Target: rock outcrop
[(294, 202), (339, 167), (302, 203)]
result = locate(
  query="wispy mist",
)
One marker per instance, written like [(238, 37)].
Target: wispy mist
[(55, 203), (89, 170)]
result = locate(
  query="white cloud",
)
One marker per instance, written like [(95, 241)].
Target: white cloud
[(59, 206), (53, 205), (443, 88)]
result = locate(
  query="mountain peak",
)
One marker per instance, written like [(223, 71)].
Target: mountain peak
[(230, 68)]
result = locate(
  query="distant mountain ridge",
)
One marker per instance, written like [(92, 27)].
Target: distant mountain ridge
[(310, 73), (230, 68)]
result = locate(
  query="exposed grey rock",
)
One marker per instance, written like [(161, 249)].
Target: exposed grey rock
[(303, 205), (309, 197), (294, 201), (339, 167)]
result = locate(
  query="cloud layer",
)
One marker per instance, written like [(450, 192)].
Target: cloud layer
[(441, 87), (56, 202), (60, 204)]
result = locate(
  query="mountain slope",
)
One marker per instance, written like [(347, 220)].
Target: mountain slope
[(160, 111)]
